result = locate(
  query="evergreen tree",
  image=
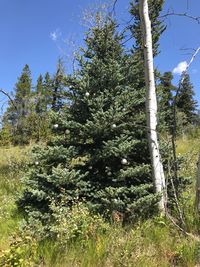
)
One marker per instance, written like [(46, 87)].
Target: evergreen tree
[(185, 101), (17, 116), (41, 105), (99, 153), (165, 102), (41, 115), (47, 85), (58, 86)]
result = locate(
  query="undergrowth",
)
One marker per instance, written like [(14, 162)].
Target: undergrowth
[(79, 238)]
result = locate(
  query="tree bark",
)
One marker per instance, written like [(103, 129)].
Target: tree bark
[(151, 106)]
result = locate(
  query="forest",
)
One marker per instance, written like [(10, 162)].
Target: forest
[(100, 165)]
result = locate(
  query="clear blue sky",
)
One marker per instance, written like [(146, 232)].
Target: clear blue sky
[(34, 31)]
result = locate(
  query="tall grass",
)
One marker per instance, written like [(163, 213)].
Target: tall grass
[(153, 243), (12, 166)]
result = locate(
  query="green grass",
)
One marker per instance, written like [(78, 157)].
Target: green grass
[(153, 243), (12, 164)]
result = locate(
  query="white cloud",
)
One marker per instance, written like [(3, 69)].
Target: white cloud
[(55, 35), (180, 68)]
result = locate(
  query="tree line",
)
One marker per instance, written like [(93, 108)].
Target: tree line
[(26, 118)]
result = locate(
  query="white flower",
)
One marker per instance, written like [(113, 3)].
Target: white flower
[(36, 163), (87, 94)]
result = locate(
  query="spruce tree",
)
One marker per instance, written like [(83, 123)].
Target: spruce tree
[(41, 105), (165, 102), (18, 116), (41, 112), (58, 87), (48, 89), (99, 153), (185, 100)]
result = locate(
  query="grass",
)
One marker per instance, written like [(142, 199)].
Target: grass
[(12, 165), (155, 242)]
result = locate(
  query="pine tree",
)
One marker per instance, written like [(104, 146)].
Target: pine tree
[(17, 116), (58, 87), (185, 101), (165, 102), (99, 153), (47, 85), (41, 105), (41, 111)]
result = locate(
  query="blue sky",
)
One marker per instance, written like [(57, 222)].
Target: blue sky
[(36, 32)]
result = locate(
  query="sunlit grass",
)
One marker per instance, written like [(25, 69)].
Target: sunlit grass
[(12, 162), (154, 243)]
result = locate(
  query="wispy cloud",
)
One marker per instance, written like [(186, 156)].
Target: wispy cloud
[(180, 68), (55, 35)]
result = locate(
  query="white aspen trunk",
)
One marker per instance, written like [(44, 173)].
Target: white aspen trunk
[(151, 105)]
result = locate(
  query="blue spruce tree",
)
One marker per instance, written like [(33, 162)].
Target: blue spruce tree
[(99, 152)]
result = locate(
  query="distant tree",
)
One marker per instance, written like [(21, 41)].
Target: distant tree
[(47, 85), (58, 86), (41, 105), (41, 108), (165, 102), (185, 101), (17, 116)]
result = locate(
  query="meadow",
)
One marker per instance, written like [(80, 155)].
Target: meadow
[(155, 242)]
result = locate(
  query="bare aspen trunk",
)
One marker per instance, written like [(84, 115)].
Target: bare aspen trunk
[(198, 187), (151, 105)]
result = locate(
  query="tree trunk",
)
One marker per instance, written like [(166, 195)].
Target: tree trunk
[(151, 105)]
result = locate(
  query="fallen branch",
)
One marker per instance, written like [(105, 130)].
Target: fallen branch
[(194, 237)]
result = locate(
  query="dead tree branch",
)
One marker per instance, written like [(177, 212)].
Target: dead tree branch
[(194, 237), (114, 7), (185, 14), (9, 97)]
